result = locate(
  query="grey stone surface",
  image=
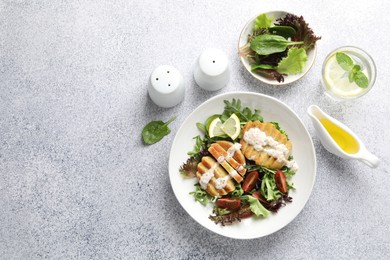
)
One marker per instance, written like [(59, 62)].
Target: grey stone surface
[(76, 181)]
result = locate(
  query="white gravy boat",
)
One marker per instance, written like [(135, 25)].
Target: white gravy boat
[(362, 154)]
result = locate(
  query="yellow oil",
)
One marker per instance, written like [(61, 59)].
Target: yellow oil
[(343, 139)]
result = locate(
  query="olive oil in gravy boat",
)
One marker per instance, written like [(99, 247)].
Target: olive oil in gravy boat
[(338, 139)]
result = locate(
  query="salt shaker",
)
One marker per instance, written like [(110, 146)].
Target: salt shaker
[(212, 70), (166, 88)]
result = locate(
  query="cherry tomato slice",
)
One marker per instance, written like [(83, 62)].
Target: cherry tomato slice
[(280, 180), (250, 181), (229, 203)]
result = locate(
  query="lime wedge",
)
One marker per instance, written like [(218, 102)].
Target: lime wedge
[(231, 127)]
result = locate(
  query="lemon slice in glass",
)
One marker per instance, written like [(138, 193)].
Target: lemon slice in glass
[(337, 79), (215, 128), (232, 126)]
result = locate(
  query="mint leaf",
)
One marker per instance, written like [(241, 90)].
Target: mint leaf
[(351, 75), (355, 71), (294, 62), (262, 21), (344, 61), (361, 80), (255, 206), (356, 68)]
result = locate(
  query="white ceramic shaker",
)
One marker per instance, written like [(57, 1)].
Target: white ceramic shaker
[(212, 70), (166, 88)]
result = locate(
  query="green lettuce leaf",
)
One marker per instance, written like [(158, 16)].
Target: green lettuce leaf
[(262, 21), (202, 196), (294, 62), (268, 187), (255, 206)]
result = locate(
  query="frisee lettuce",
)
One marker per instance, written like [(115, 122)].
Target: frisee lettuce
[(238, 192), (201, 195)]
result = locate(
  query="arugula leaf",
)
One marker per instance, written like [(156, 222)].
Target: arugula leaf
[(255, 205), (266, 44), (155, 131), (344, 61), (244, 114), (262, 21), (277, 126), (200, 144), (294, 62)]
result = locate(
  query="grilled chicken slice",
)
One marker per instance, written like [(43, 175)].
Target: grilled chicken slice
[(262, 157), (231, 158), (216, 181)]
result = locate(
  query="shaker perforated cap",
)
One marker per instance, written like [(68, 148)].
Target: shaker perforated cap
[(166, 88)]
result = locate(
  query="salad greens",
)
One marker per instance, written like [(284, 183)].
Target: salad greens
[(245, 114), (202, 196), (355, 73), (266, 44), (279, 49), (255, 205), (262, 21), (285, 31), (155, 131), (264, 198), (294, 62)]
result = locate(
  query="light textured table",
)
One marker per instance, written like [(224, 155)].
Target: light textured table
[(77, 182)]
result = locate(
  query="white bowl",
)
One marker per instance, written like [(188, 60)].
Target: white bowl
[(303, 152), (311, 54)]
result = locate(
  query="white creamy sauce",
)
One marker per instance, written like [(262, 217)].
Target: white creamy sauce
[(233, 173), (206, 177), (262, 142), (221, 183), (232, 150), (240, 168), (221, 159)]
